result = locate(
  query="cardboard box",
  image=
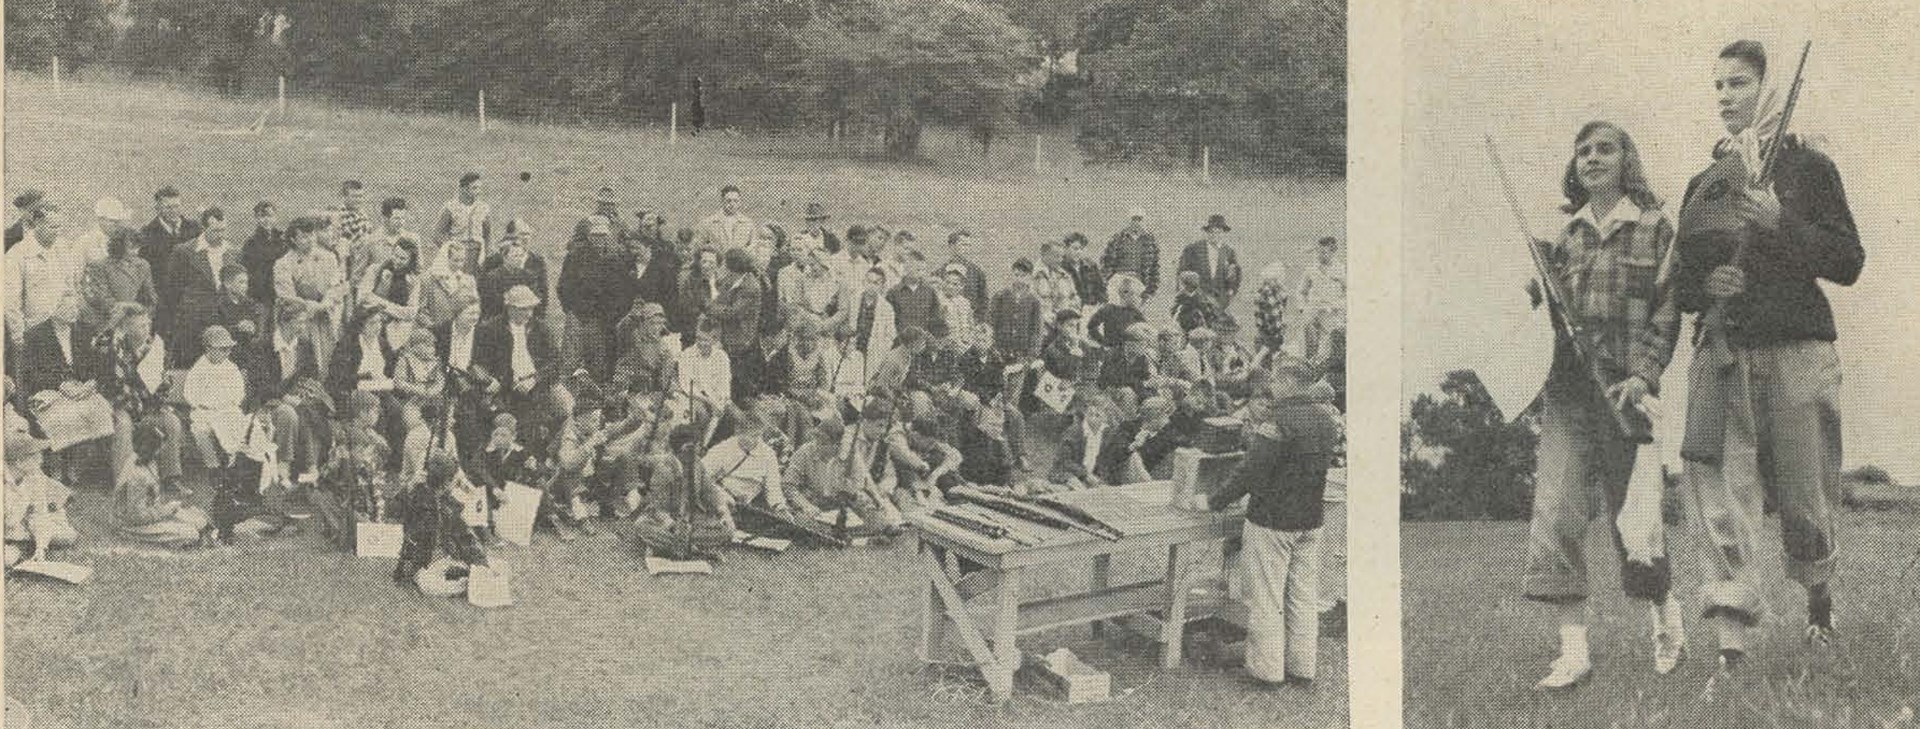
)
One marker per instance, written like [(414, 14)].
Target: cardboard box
[(1070, 678)]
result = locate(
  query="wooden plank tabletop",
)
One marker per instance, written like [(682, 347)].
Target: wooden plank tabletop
[(1139, 510)]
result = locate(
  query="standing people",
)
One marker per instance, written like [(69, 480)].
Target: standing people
[(262, 249), (23, 203), (1053, 283), (1291, 445), (1215, 261), (1322, 294), (41, 271), (1088, 280), (1607, 259), (168, 230), (736, 311), (1134, 251), (352, 223), (816, 226), (1763, 411), (445, 285), (915, 302), (960, 245), (513, 270), (730, 228), (596, 288), (469, 219), (196, 268), (109, 222), (605, 205), (309, 282)]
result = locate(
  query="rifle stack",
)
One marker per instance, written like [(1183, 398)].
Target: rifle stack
[(998, 513)]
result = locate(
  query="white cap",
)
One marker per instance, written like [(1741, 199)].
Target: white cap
[(110, 208), (1137, 212)]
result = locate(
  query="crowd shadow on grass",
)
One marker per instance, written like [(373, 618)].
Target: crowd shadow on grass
[(1473, 647)]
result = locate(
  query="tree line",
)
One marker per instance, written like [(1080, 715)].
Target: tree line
[(1261, 83)]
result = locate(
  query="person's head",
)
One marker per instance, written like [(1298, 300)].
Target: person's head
[(1096, 411), (913, 338), (468, 316), (683, 241), (394, 210), (875, 417), (751, 432), (954, 281), (876, 279), (28, 199), (1067, 322), (708, 260), (730, 199), (1329, 250), (1126, 289), (520, 302), (706, 335), (1216, 225), (604, 201), (1291, 377), (406, 256), (1189, 281), (1076, 243), (514, 255), (302, 234), (1170, 341), (47, 221), (739, 261), (166, 204), (1738, 78), (913, 266), (266, 215), (147, 440), (1050, 254), (352, 194), (133, 321), (213, 225), (506, 431), (1022, 271), (599, 228), (1155, 412), (651, 221), (1140, 338), (454, 252), (1605, 162), (1136, 217), (653, 320), (470, 186), (109, 215), (234, 278)]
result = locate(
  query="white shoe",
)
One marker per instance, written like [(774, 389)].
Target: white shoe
[(1669, 638), (1566, 671)]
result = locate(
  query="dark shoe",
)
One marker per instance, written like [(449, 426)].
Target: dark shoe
[(1300, 682), (1263, 684)]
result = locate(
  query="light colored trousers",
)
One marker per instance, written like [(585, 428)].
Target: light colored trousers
[(1783, 438), (1279, 582), (1583, 466)]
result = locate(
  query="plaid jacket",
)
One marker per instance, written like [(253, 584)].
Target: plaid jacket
[(1616, 277)]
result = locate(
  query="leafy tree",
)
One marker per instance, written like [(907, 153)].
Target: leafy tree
[(1461, 459), (76, 31)]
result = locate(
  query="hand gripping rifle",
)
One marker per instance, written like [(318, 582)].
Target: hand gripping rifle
[(1631, 423), (1713, 324)]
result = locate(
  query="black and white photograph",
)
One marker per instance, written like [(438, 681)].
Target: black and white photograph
[(754, 363), (1659, 407)]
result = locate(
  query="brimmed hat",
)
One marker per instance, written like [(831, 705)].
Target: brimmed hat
[(1218, 222), (28, 199), (1137, 213), (604, 195), (521, 297), (216, 337), (816, 211), (110, 208)]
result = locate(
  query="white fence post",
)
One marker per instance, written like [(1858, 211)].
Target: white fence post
[(1038, 160), (282, 97), (1206, 165), (673, 122), (483, 111), (56, 73)]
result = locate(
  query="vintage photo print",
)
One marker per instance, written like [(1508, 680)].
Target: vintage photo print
[(1659, 403), (814, 363)]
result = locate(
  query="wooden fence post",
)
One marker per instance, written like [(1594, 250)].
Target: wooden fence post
[(1206, 165), (673, 123), (1038, 160), (56, 73), (483, 111), (282, 97)]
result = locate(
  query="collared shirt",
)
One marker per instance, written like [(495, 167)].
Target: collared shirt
[(216, 258), (460, 348), (745, 475), (817, 469), (1324, 288), (1593, 258), (522, 358), (353, 224), (38, 276), (219, 387), (709, 376), (1056, 290), (64, 335), (314, 276), (373, 360), (724, 231), (288, 350), (466, 222)]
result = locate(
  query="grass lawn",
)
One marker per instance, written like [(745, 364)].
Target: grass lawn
[(1473, 647), (286, 633)]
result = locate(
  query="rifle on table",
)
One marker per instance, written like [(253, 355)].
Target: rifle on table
[(1075, 517), (1036, 514), (1632, 424), (985, 526)]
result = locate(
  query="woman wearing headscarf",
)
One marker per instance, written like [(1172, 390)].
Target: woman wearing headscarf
[(1763, 413), (135, 381), (446, 286), (394, 286)]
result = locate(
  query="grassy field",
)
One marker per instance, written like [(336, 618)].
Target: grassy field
[(288, 634), (1473, 647)]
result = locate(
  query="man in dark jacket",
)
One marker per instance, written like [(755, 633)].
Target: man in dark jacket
[(596, 288), (24, 202), (1214, 259), (736, 310), (1290, 445), (262, 249), (1133, 250), (518, 351), (168, 230)]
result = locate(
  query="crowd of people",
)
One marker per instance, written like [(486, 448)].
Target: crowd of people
[(340, 368)]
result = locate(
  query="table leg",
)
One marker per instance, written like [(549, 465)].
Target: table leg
[(1102, 569), (933, 616), (1005, 625), (1174, 630)]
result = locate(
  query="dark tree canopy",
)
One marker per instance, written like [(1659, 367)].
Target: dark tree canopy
[(1460, 458)]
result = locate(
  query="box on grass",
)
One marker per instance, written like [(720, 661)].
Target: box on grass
[(374, 539), (1070, 678)]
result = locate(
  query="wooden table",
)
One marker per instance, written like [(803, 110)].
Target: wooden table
[(988, 629)]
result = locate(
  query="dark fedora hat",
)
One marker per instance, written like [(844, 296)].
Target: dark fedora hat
[(816, 211), (1218, 222)]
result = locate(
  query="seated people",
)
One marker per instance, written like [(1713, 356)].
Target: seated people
[(142, 514), (818, 479), (746, 468), (1078, 464), (1131, 367), (36, 505), (437, 548), (215, 390), (521, 353)]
